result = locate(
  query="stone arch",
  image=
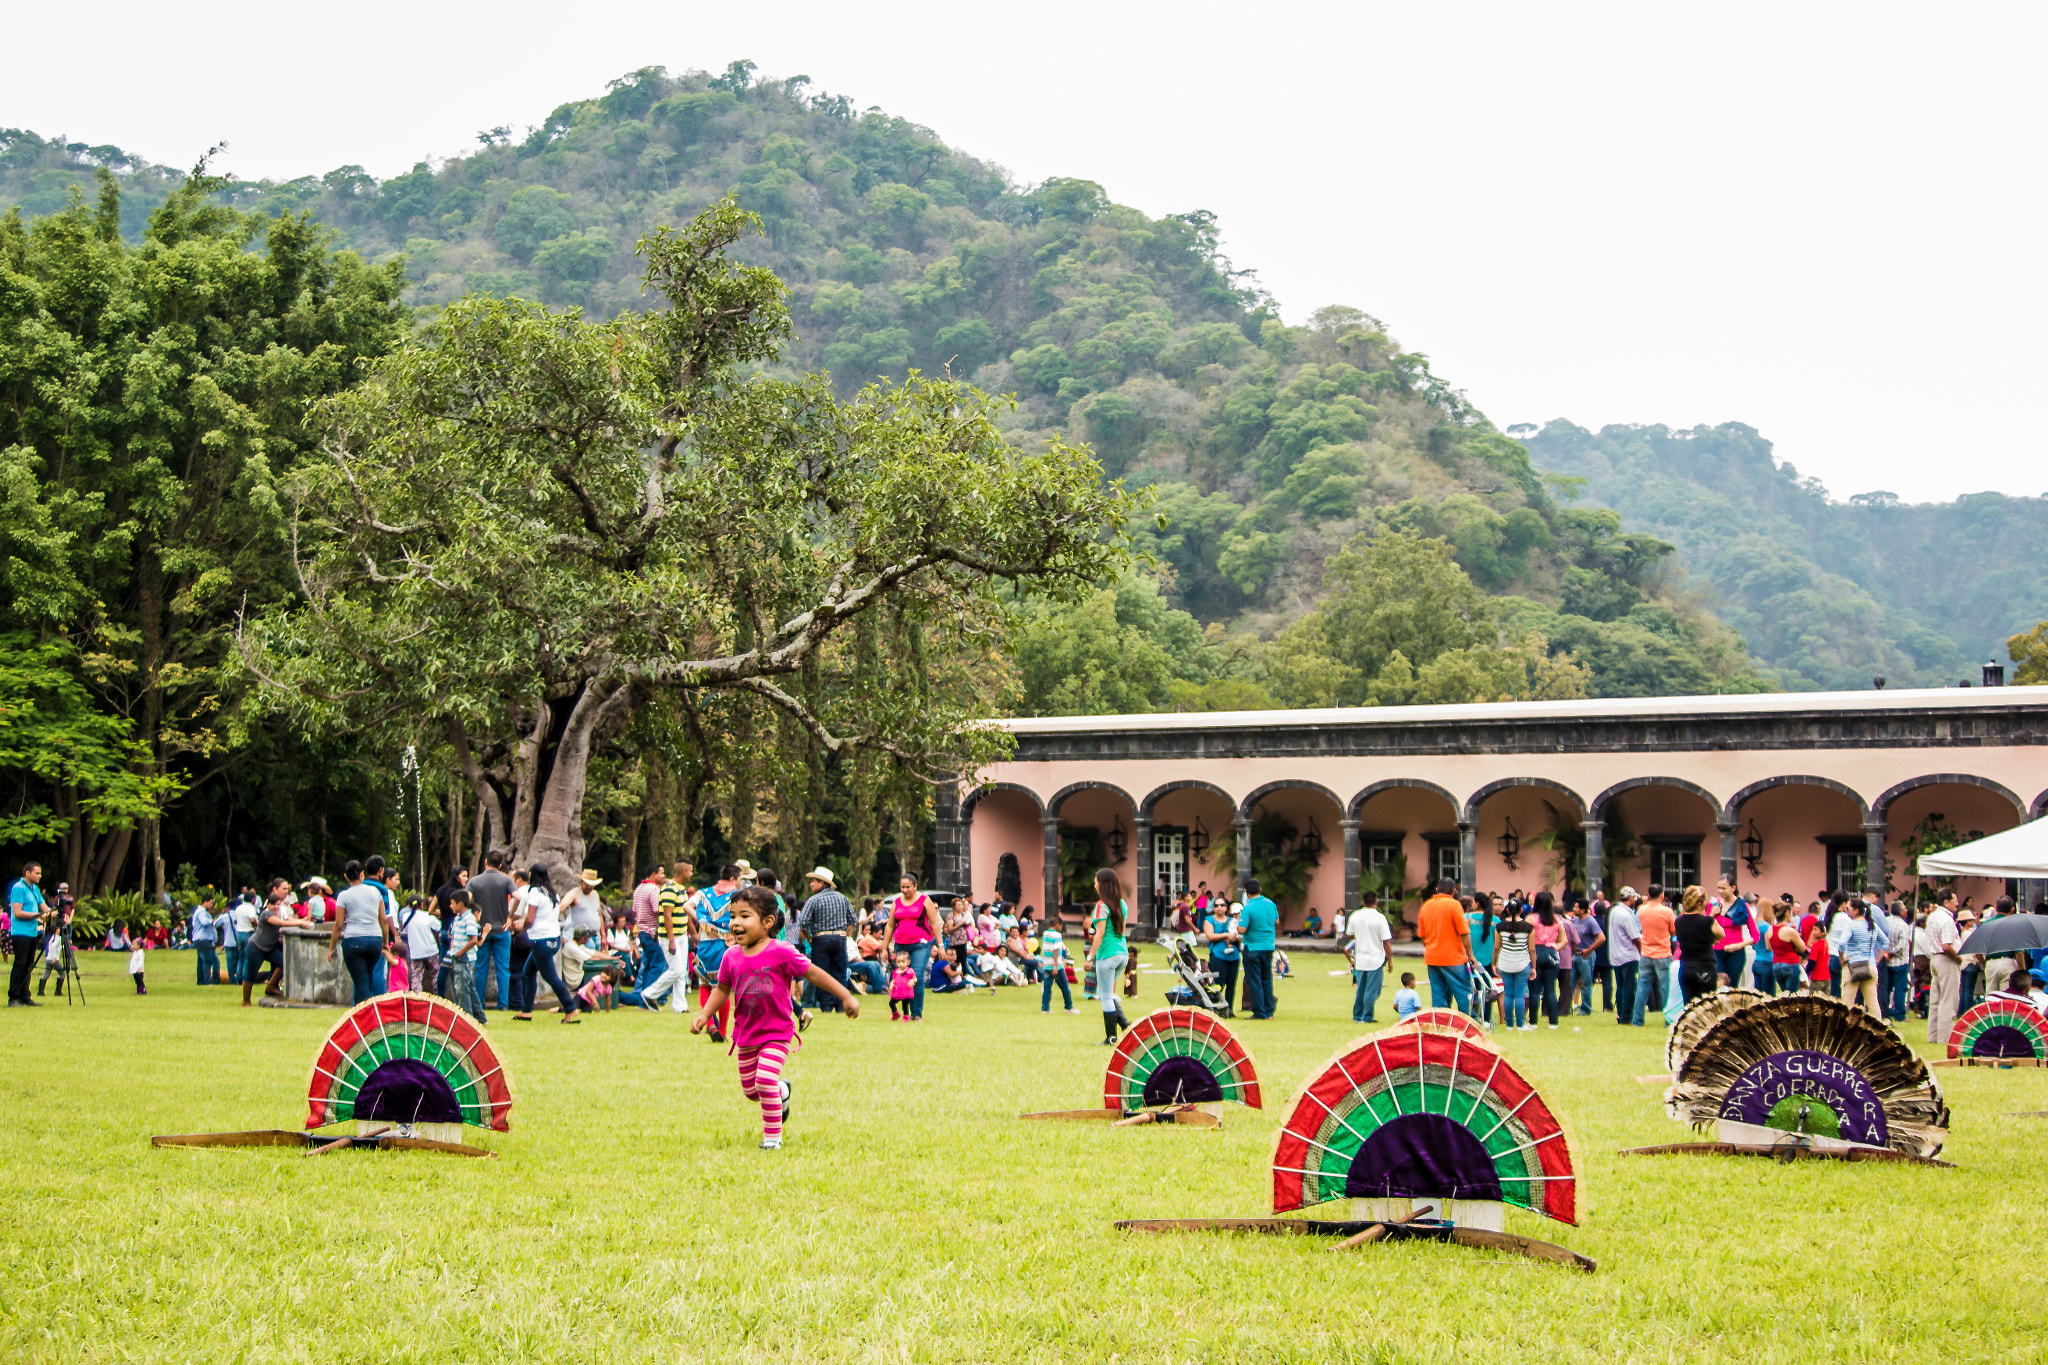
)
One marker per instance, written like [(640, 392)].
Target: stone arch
[(1246, 806), (2039, 808), (1882, 805), (1732, 812), (973, 798), (1469, 812), (1598, 810), (1059, 798), (1160, 793), (1392, 784)]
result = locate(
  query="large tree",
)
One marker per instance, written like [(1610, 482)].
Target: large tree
[(530, 525), (151, 398)]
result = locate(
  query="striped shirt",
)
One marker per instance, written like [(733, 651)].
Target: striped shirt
[(646, 901), (828, 912), (674, 906)]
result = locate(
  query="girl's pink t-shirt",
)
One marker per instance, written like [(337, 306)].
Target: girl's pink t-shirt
[(904, 985), (759, 986)]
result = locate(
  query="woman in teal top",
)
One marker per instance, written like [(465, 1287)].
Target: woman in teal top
[(1482, 921), (1107, 949)]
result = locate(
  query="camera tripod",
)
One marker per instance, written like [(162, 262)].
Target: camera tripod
[(67, 968)]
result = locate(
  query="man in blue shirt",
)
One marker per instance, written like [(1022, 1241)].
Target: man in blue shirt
[(200, 926), (25, 908), (1258, 928)]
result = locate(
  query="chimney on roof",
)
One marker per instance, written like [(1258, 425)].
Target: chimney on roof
[(1994, 674)]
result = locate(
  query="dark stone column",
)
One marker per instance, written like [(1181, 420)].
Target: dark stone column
[(1468, 857), (1051, 825), (1352, 870), (1244, 854), (949, 844), (1596, 857), (1873, 854), (1728, 833), (1141, 827)]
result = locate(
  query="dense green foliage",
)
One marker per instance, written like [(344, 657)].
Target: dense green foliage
[(1827, 594), (1270, 446), (154, 397)]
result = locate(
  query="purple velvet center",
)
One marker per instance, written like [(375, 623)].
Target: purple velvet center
[(2001, 1040), (1825, 1079), (1181, 1080), (406, 1090), (1426, 1156)]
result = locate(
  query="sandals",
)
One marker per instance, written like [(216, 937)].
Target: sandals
[(523, 1018)]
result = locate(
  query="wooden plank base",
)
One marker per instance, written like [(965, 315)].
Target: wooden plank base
[(1787, 1152), (1354, 1230), (1184, 1115), (1105, 1115), (2000, 1063), (319, 1142)]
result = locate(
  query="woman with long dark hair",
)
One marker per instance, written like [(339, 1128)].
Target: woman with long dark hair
[(543, 925), (1545, 937), (1107, 950)]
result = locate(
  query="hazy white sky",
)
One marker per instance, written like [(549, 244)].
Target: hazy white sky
[(1823, 220)]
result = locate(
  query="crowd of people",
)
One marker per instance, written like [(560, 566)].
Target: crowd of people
[(1530, 957)]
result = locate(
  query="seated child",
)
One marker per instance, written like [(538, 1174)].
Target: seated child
[(946, 976), (1406, 1002)]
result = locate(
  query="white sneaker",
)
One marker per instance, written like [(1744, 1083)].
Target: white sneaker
[(1553, 1028), (773, 1144), (1073, 1011)]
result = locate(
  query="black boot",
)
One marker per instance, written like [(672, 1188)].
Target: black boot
[(1108, 1029), (1123, 1021)]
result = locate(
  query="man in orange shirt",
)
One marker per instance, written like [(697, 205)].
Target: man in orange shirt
[(1653, 981), (1446, 948)]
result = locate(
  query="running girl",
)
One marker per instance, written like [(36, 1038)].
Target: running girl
[(755, 975)]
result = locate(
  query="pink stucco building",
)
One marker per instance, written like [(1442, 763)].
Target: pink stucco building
[(1793, 792)]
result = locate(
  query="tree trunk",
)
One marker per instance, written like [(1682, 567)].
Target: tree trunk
[(526, 778), (557, 839), (489, 805)]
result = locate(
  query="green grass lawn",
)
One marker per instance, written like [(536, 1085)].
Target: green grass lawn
[(912, 1217)]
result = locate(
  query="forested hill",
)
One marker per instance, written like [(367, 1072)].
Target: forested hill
[(1271, 446), (1830, 594)]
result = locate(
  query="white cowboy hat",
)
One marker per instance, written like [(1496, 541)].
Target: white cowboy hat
[(822, 874)]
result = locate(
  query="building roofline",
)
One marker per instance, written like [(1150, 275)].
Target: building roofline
[(1905, 701)]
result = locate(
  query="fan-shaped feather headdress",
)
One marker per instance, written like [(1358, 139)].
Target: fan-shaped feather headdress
[(1814, 1068)]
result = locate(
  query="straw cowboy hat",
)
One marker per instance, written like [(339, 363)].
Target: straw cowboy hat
[(590, 877), (822, 874)]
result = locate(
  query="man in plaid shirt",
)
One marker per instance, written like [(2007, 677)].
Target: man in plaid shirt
[(647, 924), (823, 923)]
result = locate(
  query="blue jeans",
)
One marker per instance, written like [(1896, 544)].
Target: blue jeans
[(1898, 981), (653, 961), (1582, 972), (1786, 977), (1514, 1000), (1653, 974), (1258, 983), (1107, 970), (1056, 974), (359, 955), (233, 953), (1972, 974), (209, 965), (1451, 984), (1728, 963), (1624, 991), (540, 958), (920, 967), (1544, 992), (494, 954), (870, 972), (1366, 998)]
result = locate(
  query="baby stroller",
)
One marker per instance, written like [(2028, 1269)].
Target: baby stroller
[(1197, 988)]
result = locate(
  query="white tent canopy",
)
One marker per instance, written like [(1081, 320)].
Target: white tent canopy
[(2018, 852)]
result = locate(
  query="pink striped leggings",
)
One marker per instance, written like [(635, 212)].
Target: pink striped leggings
[(761, 1079)]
